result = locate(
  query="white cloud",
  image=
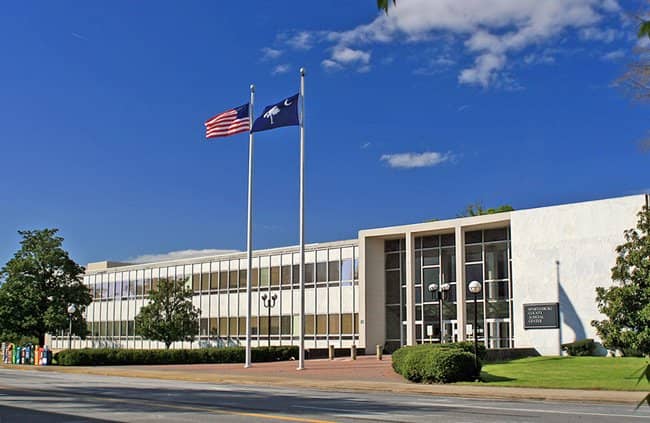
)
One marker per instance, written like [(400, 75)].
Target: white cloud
[(269, 53), (345, 55), (413, 160), (613, 56), (462, 107), (301, 41), (330, 65), (280, 69), (492, 31), (178, 255), (366, 145)]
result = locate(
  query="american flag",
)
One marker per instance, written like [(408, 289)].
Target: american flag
[(230, 122)]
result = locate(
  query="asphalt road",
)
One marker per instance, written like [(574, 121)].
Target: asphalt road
[(27, 396)]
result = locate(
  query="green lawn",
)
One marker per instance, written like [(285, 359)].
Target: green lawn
[(568, 372)]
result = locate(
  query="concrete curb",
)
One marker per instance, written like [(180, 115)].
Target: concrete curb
[(467, 391)]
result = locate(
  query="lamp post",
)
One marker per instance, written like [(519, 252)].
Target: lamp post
[(475, 288), (71, 310), (269, 303), (443, 288)]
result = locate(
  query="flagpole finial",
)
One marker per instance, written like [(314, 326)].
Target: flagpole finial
[(252, 88), (302, 71)]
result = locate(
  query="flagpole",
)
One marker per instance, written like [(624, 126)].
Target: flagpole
[(301, 362), (249, 232)]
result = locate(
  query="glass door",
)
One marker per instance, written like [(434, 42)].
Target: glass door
[(450, 331)]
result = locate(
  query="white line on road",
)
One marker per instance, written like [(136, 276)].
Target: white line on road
[(499, 409)]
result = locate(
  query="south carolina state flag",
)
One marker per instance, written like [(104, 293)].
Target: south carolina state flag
[(283, 113)]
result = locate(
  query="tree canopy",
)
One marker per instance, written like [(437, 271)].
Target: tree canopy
[(38, 285), (170, 315), (627, 304), (477, 209)]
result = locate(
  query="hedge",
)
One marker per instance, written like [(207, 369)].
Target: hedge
[(116, 356), (582, 348), (437, 363)]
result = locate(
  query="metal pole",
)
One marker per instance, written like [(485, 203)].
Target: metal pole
[(475, 332), (249, 230), (442, 327), (268, 322), (70, 332), (301, 360)]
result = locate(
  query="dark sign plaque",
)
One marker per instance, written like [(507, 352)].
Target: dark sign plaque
[(542, 316)]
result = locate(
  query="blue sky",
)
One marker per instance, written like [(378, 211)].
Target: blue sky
[(409, 117)]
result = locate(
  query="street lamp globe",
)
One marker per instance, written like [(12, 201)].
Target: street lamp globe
[(432, 287), (71, 309), (475, 287), (445, 287)]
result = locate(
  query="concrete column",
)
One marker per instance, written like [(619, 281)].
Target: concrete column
[(460, 282), (410, 289)]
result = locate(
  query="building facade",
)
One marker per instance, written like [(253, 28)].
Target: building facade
[(393, 286)]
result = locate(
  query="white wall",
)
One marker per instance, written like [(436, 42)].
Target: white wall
[(583, 238)]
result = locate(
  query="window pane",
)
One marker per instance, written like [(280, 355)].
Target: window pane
[(196, 282), (333, 271), (500, 234), (275, 275), (430, 241), (295, 276), (232, 279), (447, 240), (473, 253), (264, 276), (223, 280), (346, 321), (243, 275), (392, 245), (392, 287), (473, 237), (309, 324), (214, 281), (309, 272), (255, 277), (205, 281), (333, 324), (286, 324), (496, 259), (321, 272), (321, 324), (286, 275), (430, 257), (392, 261), (346, 270), (448, 269)]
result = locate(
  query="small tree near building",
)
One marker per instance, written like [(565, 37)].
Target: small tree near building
[(170, 315), (38, 285), (627, 304)]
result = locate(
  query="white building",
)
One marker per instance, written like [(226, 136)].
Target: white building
[(388, 286)]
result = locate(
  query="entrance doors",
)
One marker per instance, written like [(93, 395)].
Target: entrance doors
[(450, 331)]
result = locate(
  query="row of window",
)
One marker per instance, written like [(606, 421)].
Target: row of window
[(224, 327), (322, 274)]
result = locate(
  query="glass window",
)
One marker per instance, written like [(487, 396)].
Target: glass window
[(393, 322), (214, 281), (447, 240), (448, 268), (309, 272), (392, 245), (356, 269), (392, 261), (321, 272), (497, 309), (214, 327), (242, 326), (333, 324), (196, 282), (309, 324), (500, 234), (346, 322), (264, 276), (295, 275), (496, 261), (473, 253), (255, 277), (286, 324), (275, 275), (497, 290), (286, 275), (243, 275), (223, 280), (430, 241), (275, 325), (392, 287), (264, 325), (232, 326), (232, 280), (333, 271), (205, 282), (223, 327), (203, 327), (431, 257), (321, 324), (346, 270), (473, 237)]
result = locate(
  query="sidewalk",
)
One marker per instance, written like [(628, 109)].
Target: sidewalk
[(365, 374)]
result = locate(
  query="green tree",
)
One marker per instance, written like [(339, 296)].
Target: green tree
[(38, 285), (383, 4), (627, 304), (170, 315), (477, 209)]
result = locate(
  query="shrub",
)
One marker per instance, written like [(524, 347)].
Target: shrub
[(116, 356), (436, 363), (582, 348)]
